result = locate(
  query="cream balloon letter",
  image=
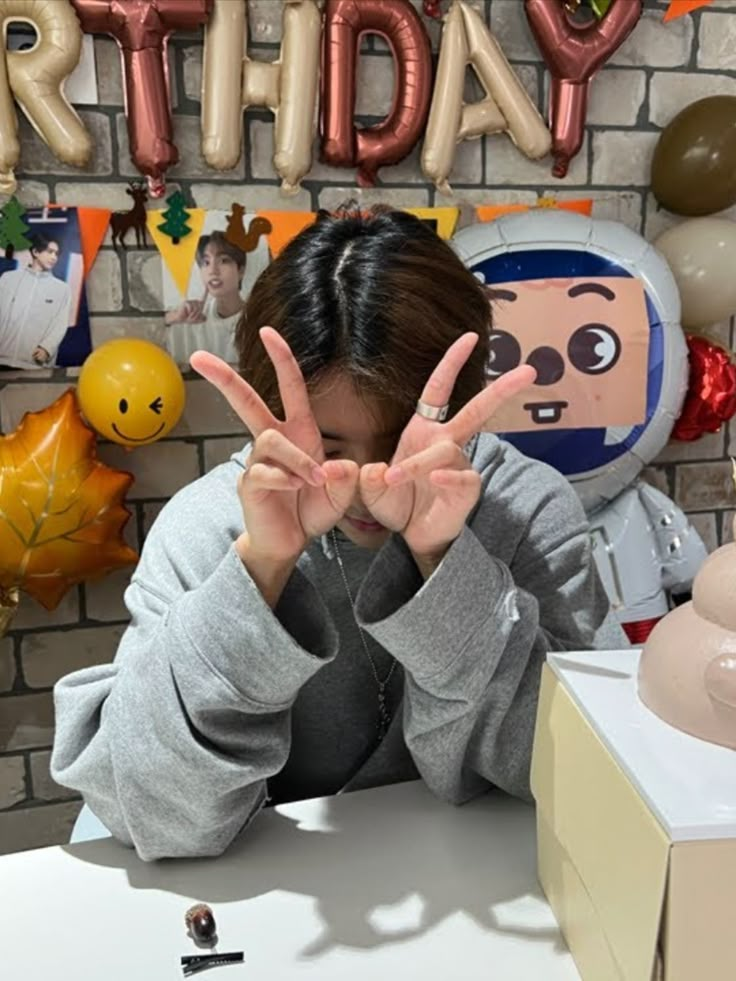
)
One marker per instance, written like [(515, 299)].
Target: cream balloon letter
[(231, 82), (35, 79), (507, 108)]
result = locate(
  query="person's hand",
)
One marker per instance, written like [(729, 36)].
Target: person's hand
[(430, 487), (41, 355), (188, 312), (289, 492)]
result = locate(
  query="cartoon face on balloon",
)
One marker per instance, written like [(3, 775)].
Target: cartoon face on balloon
[(595, 309), (587, 338), (131, 391)]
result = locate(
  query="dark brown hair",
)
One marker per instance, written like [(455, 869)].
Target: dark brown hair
[(220, 244), (374, 294)]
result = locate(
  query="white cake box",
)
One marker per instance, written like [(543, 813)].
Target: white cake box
[(636, 827)]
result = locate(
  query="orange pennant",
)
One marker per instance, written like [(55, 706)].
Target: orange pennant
[(489, 212), (678, 8), (93, 224), (285, 225)]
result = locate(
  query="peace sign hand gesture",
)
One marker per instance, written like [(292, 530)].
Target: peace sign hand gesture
[(430, 487), (289, 492)]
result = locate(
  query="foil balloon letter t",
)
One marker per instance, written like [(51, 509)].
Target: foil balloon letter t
[(141, 29)]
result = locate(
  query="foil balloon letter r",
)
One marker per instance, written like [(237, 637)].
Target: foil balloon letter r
[(36, 79), (142, 29), (573, 54)]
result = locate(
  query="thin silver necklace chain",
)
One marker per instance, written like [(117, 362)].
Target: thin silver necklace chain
[(384, 715)]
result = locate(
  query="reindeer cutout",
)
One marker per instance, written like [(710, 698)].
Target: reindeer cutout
[(236, 234), (122, 221)]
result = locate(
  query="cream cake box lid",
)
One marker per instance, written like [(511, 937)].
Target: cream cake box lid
[(689, 784)]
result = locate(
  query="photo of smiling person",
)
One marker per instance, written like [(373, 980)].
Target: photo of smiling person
[(209, 323), (44, 321)]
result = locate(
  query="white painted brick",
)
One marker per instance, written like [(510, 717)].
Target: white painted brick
[(160, 469), (12, 780), (26, 722), (727, 520), (37, 158), (31, 194), (507, 165), (654, 44), (37, 827), (616, 96), (104, 283), (261, 157), (623, 157), (708, 447), (206, 413), (44, 787), (188, 139), (374, 89), (705, 525), (511, 29), (264, 21), (254, 198), (151, 511), (49, 656), (93, 195), (717, 41), (669, 92), (145, 281), (657, 477), (192, 72), (109, 72), (217, 451), (703, 486), (32, 615), (16, 400), (333, 197), (107, 328), (623, 206), (7, 664), (432, 24), (467, 167)]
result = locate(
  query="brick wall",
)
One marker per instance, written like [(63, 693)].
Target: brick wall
[(659, 70)]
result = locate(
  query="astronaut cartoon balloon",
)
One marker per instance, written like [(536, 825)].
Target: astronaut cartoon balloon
[(595, 309)]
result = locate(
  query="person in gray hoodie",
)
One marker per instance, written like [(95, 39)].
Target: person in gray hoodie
[(367, 592)]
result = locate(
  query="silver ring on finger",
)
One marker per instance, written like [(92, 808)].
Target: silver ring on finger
[(435, 413)]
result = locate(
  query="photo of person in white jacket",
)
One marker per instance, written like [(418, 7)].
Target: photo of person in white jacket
[(35, 308)]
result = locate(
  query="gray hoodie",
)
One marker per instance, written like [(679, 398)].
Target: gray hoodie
[(216, 704)]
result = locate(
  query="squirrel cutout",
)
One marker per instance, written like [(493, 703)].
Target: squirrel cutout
[(687, 673), (236, 234)]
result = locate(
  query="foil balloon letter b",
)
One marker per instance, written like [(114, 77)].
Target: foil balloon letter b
[(36, 79), (141, 29), (391, 140), (574, 53)]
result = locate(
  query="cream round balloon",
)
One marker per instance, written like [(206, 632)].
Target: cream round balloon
[(700, 253)]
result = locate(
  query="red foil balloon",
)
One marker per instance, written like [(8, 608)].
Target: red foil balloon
[(142, 29), (343, 145), (573, 54), (711, 395)]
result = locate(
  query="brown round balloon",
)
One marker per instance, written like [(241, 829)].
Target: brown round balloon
[(694, 163)]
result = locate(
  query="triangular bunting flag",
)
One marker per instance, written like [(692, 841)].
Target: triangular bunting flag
[(285, 225), (678, 8), (444, 219), (178, 259), (93, 225), (489, 212)]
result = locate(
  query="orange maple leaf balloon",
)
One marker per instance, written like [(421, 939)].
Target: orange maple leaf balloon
[(61, 510)]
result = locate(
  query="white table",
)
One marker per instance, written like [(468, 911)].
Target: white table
[(382, 884)]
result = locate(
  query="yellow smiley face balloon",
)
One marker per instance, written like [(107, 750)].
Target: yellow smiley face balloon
[(131, 391)]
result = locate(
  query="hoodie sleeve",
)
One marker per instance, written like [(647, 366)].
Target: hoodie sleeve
[(171, 745), (59, 323), (472, 638)]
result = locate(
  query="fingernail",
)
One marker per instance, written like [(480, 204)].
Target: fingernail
[(393, 475), (318, 475)]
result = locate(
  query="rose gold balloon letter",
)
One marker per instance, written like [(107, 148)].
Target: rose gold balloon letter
[(288, 87), (574, 54), (142, 29), (36, 79), (346, 21)]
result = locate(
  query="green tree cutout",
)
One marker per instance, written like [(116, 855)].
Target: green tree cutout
[(13, 228), (176, 217)]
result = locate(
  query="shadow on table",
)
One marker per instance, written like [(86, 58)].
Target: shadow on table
[(378, 877)]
